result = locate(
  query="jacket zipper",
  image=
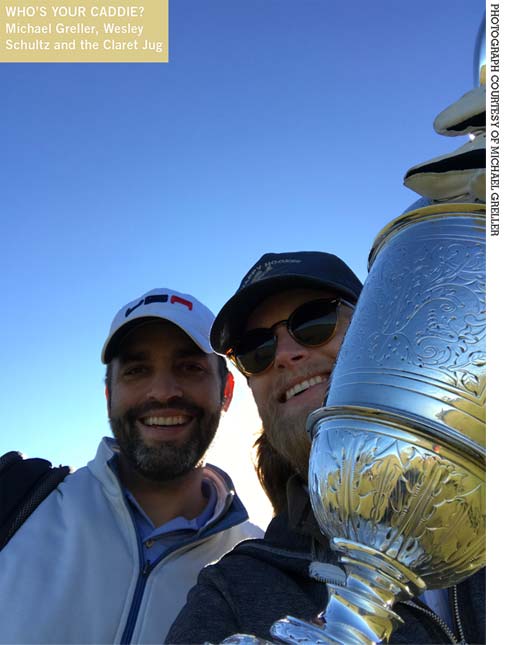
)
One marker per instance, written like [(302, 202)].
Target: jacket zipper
[(457, 617), (441, 623), (138, 593), (148, 567)]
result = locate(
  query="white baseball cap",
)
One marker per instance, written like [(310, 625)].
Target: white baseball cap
[(183, 310)]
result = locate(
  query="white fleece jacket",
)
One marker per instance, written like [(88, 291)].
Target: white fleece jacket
[(71, 574)]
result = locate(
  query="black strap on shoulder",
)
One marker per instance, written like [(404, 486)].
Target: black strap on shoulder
[(24, 484)]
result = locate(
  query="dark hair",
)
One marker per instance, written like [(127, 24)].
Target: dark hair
[(273, 472), (222, 373)]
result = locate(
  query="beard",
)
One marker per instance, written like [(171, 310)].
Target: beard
[(164, 461), (287, 434)]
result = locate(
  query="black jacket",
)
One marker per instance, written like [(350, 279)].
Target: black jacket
[(261, 581)]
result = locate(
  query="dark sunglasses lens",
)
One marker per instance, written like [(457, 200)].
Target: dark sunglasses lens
[(256, 350), (314, 323)]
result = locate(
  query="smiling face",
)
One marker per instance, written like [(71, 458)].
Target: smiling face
[(296, 382), (164, 401)]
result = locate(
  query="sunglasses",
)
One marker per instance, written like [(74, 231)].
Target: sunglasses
[(312, 324)]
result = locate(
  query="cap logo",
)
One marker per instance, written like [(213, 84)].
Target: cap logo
[(162, 297), (182, 301), (260, 272)]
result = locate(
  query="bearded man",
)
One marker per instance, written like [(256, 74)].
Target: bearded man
[(109, 556), (283, 329)]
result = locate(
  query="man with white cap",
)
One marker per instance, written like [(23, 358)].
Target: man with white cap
[(108, 557)]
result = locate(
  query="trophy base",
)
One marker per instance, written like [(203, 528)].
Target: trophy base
[(293, 630)]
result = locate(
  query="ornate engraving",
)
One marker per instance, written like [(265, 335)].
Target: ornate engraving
[(440, 321), (412, 503)]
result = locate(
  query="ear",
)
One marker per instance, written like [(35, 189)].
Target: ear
[(228, 391), (108, 399)]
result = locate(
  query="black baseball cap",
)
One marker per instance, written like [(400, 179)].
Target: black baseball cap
[(276, 272)]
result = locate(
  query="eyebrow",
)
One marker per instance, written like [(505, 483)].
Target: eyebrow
[(191, 352), (132, 357)]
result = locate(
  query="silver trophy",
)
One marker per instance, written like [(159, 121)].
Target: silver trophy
[(397, 466)]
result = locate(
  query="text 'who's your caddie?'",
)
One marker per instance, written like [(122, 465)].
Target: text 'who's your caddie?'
[(57, 31)]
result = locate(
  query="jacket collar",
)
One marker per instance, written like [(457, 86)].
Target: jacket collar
[(229, 509), (296, 525)]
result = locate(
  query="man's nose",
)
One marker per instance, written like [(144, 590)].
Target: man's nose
[(288, 351), (164, 385)]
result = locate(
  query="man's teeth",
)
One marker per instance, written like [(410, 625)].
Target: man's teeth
[(165, 421), (304, 385)]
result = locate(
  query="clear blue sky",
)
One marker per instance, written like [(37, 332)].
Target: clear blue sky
[(277, 125)]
